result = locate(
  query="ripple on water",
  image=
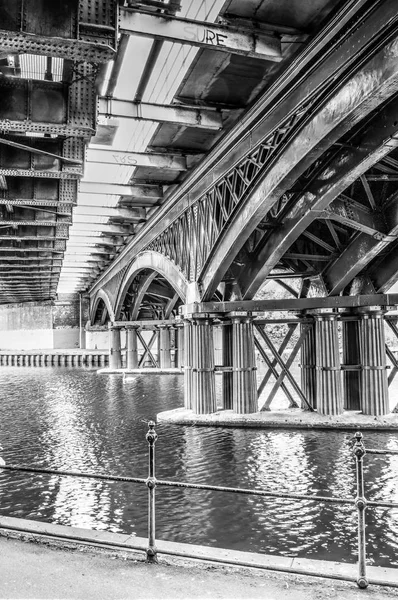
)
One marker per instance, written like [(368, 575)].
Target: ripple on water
[(75, 419)]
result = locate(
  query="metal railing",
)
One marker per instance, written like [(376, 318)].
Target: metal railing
[(359, 502)]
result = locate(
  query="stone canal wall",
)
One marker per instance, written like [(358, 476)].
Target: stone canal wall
[(47, 324)]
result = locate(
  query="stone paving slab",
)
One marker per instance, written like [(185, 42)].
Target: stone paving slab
[(125, 542), (40, 571), (293, 418)]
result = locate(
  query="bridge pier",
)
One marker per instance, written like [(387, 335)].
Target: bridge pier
[(374, 373), (203, 390), (115, 352)]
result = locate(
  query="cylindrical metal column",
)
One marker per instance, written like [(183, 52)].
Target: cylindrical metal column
[(115, 353), (164, 347), (373, 358), (131, 347), (308, 372), (328, 371), (203, 378), (188, 360), (173, 346), (180, 336), (352, 360), (244, 380), (227, 376)]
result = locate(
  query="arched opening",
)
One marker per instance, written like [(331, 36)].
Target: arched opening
[(149, 296), (101, 314), (153, 288)]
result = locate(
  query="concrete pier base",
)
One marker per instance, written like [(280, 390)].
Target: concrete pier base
[(292, 418)]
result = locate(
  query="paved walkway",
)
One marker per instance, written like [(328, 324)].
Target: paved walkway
[(47, 571)]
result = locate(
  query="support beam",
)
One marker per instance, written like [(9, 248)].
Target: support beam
[(327, 184), (327, 360), (32, 238), (153, 192), (374, 400), (351, 213), (254, 43), (293, 304), (135, 215), (167, 162), (62, 207), (101, 228), (160, 113)]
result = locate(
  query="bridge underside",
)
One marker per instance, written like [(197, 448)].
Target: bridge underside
[(156, 155)]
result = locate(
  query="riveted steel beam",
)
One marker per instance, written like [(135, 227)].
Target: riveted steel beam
[(17, 41), (352, 214), (329, 56), (143, 111), (166, 162), (254, 42), (291, 304), (27, 270), (38, 173), (32, 223), (48, 107), (22, 276), (35, 238), (33, 261), (353, 98), (36, 249), (338, 173)]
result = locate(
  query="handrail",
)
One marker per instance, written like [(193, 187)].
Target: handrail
[(360, 502)]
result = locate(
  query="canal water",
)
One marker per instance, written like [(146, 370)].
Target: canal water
[(65, 418)]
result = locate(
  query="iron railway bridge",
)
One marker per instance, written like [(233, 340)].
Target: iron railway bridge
[(168, 158)]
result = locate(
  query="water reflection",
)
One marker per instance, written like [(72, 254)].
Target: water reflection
[(75, 419)]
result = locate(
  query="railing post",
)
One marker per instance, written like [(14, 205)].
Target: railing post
[(151, 436), (360, 503)]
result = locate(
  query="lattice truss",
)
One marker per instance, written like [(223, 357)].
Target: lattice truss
[(332, 238), (190, 239)]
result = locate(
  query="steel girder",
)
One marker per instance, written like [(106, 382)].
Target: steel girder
[(202, 231), (74, 29), (213, 229), (331, 177)]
